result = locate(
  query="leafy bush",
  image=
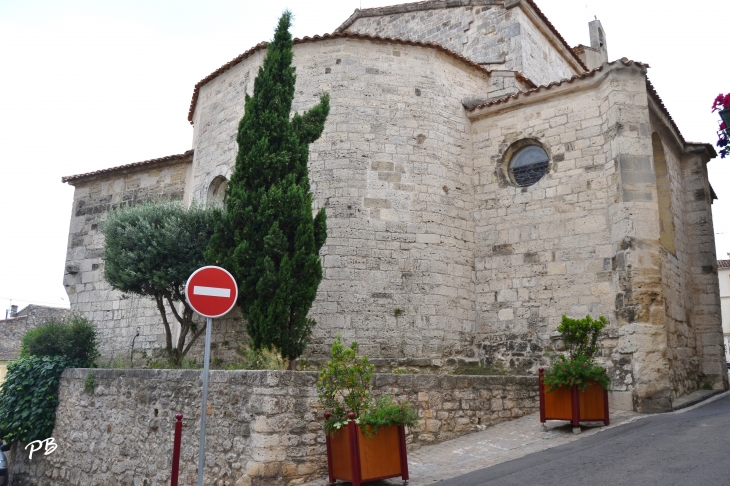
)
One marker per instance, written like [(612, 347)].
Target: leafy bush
[(579, 367), (150, 250), (29, 396), (387, 411), (581, 335), (258, 359), (74, 337), (344, 382), (577, 371), (344, 387)]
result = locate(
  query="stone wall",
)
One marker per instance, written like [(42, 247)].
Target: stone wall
[(486, 31), (263, 427)]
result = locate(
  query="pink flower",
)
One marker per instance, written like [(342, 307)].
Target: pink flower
[(722, 101)]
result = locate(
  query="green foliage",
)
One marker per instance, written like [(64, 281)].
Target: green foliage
[(579, 367), (74, 337), (580, 371), (29, 396), (397, 311), (344, 382), (581, 335), (268, 238), (344, 386), (116, 362), (150, 250), (387, 411), (257, 359), (158, 359), (90, 383)]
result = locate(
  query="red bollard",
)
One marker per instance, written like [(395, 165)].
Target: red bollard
[(176, 450)]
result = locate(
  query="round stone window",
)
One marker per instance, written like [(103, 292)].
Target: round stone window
[(528, 164)]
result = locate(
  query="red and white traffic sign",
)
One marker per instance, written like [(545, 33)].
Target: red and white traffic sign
[(211, 291)]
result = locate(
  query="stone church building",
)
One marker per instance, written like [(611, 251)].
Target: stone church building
[(481, 178)]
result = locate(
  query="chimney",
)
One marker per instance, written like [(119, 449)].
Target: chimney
[(13, 311)]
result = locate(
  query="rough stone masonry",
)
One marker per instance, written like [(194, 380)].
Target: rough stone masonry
[(263, 427), (430, 103)]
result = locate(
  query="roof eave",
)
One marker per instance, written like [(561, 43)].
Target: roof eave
[(133, 167), (343, 35)]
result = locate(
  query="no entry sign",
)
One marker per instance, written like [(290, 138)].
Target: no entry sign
[(211, 291)]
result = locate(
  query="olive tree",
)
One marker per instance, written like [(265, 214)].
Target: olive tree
[(150, 250)]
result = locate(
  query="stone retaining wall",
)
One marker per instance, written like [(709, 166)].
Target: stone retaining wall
[(263, 427)]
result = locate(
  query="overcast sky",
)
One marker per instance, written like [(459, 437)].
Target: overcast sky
[(93, 84)]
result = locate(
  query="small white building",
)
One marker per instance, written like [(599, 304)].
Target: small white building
[(723, 274)]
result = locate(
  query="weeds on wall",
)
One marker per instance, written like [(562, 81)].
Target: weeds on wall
[(257, 359), (90, 383)]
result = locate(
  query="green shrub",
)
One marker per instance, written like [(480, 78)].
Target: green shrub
[(90, 383), (257, 359), (577, 371), (579, 367), (387, 411), (344, 382), (29, 396), (344, 387), (73, 337)]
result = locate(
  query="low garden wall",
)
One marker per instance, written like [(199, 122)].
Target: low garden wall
[(263, 427)]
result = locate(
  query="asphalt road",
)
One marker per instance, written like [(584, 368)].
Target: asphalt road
[(690, 448)]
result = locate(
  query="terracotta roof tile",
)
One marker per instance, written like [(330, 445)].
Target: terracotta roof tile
[(572, 79), (169, 158), (339, 35), (723, 264), (649, 87)]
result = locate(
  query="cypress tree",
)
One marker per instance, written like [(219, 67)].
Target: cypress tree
[(268, 238)]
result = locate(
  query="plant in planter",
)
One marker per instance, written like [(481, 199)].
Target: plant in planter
[(575, 388), (366, 438), (722, 103)]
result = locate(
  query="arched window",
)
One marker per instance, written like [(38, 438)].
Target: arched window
[(217, 192), (527, 163), (664, 195)]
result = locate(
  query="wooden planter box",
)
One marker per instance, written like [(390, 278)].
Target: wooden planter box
[(575, 405), (351, 456)]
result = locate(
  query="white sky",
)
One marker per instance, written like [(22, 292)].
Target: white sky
[(92, 84)]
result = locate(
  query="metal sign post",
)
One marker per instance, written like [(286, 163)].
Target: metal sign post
[(211, 292), (203, 413)]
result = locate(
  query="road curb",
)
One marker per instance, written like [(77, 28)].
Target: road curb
[(686, 407)]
